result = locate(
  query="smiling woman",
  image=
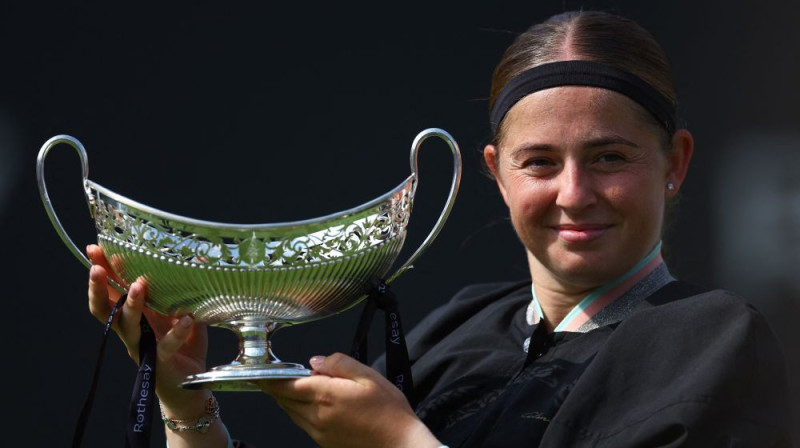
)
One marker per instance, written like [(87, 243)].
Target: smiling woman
[(601, 346), (585, 180)]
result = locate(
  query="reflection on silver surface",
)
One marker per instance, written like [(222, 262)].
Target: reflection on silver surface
[(252, 278)]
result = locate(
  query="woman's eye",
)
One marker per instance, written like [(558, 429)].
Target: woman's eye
[(610, 158), (537, 163)]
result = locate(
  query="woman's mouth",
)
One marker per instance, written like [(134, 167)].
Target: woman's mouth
[(581, 233)]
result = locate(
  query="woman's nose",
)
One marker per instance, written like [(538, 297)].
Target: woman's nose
[(575, 190)]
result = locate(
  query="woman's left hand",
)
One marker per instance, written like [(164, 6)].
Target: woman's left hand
[(346, 404)]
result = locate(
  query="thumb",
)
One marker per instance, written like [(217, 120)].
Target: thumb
[(175, 338), (339, 365)]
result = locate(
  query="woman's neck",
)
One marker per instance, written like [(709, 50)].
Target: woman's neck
[(556, 302), (557, 298)]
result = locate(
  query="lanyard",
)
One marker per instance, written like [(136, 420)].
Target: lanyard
[(601, 297), (140, 417), (398, 366), (143, 398)]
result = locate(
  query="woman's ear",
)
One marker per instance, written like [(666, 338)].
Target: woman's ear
[(492, 159), (678, 159)]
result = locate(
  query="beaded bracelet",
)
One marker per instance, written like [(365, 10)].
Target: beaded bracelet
[(200, 424)]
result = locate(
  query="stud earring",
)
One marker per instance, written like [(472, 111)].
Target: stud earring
[(670, 186)]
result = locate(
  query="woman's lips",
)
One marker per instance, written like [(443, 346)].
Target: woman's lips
[(581, 233)]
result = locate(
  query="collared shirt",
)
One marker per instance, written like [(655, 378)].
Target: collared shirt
[(613, 301)]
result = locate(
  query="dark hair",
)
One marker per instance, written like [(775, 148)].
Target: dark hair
[(588, 35), (585, 35)]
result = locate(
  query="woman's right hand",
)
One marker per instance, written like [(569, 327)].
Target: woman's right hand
[(181, 343)]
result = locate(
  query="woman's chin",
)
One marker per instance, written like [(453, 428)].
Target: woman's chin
[(584, 269)]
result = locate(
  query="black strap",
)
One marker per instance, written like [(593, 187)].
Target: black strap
[(398, 366), (80, 427), (143, 399), (359, 348)]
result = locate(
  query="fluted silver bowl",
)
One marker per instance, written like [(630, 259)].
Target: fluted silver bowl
[(252, 278)]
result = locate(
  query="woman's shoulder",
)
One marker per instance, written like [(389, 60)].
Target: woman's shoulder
[(473, 303), (489, 291), (474, 299), (688, 304), (704, 323), (704, 359)]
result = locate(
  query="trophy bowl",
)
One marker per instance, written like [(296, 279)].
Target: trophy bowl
[(252, 278)]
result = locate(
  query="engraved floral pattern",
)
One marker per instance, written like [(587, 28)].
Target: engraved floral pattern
[(260, 248)]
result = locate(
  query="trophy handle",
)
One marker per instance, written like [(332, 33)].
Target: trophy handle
[(48, 206), (448, 206)]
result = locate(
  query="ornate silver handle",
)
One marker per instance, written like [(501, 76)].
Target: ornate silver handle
[(448, 206), (48, 206)]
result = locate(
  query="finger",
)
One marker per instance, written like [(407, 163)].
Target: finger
[(315, 389), (95, 254), (318, 390), (287, 390), (342, 366), (99, 303), (174, 339), (330, 371), (130, 316), (97, 257)]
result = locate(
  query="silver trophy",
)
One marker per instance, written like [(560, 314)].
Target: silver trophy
[(252, 278)]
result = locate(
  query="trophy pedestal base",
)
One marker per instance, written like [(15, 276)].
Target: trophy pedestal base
[(240, 378)]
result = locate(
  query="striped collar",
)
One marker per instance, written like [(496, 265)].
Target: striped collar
[(613, 301)]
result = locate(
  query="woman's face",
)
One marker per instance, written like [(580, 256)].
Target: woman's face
[(584, 175)]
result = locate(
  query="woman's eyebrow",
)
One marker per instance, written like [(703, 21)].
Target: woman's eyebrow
[(604, 140), (524, 148), (612, 139)]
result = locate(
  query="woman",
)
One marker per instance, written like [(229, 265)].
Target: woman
[(601, 346)]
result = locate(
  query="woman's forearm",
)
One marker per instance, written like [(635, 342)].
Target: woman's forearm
[(195, 423), (216, 437)]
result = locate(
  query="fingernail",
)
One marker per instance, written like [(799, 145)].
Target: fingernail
[(134, 290), (185, 321), (316, 362)]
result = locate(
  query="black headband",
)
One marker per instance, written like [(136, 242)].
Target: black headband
[(583, 73)]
